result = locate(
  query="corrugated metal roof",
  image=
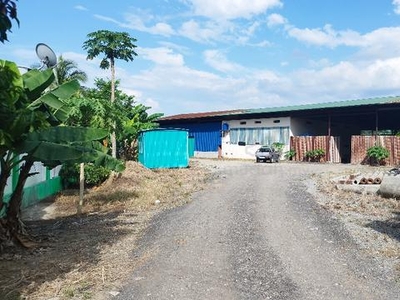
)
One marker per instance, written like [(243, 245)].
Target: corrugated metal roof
[(313, 106), (203, 115), (337, 104)]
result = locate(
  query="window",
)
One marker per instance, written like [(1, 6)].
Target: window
[(262, 136), (243, 123)]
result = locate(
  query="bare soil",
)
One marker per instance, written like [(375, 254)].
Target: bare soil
[(74, 256), (82, 256)]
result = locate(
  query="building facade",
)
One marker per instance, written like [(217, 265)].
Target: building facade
[(241, 132)]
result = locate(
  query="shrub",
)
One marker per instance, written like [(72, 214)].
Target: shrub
[(315, 155), (94, 175), (377, 155), (290, 154), (278, 147)]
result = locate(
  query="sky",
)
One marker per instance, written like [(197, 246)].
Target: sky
[(211, 55)]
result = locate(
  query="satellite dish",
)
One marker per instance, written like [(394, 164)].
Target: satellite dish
[(47, 56)]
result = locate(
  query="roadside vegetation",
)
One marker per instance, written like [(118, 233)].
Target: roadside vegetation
[(48, 116)]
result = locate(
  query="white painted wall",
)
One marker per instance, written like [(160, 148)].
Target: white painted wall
[(201, 154), (248, 151), (254, 123), (35, 179)]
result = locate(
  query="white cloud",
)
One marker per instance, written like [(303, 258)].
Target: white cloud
[(382, 42), (326, 36), (252, 28), (194, 31), (219, 62), (161, 56), (276, 19), (80, 7), (138, 20), (232, 9), (396, 4)]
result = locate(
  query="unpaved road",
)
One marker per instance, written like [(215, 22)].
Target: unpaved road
[(256, 232)]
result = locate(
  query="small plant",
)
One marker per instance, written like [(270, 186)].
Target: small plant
[(377, 155), (290, 154), (315, 155), (278, 147)]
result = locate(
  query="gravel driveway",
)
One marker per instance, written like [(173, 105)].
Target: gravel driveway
[(255, 232)]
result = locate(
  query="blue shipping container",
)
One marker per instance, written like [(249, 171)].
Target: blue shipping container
[(164, 148)]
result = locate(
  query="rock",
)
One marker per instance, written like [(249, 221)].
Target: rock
[(390, 186)]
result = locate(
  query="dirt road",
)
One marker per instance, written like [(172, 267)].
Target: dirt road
[(256, 232)]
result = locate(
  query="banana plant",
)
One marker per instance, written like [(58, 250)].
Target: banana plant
[(31, 130)]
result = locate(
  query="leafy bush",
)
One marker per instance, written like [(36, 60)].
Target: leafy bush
[(290, 154), (94, 175), (315, 155), (377, 154), (278, 147)]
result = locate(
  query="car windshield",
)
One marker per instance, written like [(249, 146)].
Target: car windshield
[(264, 149)]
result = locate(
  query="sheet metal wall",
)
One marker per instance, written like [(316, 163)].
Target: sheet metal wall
[(207, 136), (164, 148), (302, 144)]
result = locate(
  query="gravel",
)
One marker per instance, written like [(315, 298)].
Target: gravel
[(267, 231)]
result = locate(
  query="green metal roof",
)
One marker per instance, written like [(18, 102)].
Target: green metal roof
[(337, 104)]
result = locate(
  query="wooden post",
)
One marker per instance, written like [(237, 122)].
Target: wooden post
[(81, 186)]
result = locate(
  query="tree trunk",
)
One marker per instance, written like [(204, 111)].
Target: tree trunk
[(4, 175), (81, 187), (14, 209)]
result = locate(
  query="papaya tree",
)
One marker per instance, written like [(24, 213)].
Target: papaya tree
[(93, 109), (32, 130), (113, 46)]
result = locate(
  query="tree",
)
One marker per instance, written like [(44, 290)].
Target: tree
[(128, 117), (67, 70), (137, 119), (113, 45), (8, 12)]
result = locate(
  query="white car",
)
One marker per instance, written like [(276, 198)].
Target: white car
[(267, 153)]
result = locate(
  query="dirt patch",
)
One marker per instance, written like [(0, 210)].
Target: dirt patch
[(88, 256), (372, 220), (79, 256)]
